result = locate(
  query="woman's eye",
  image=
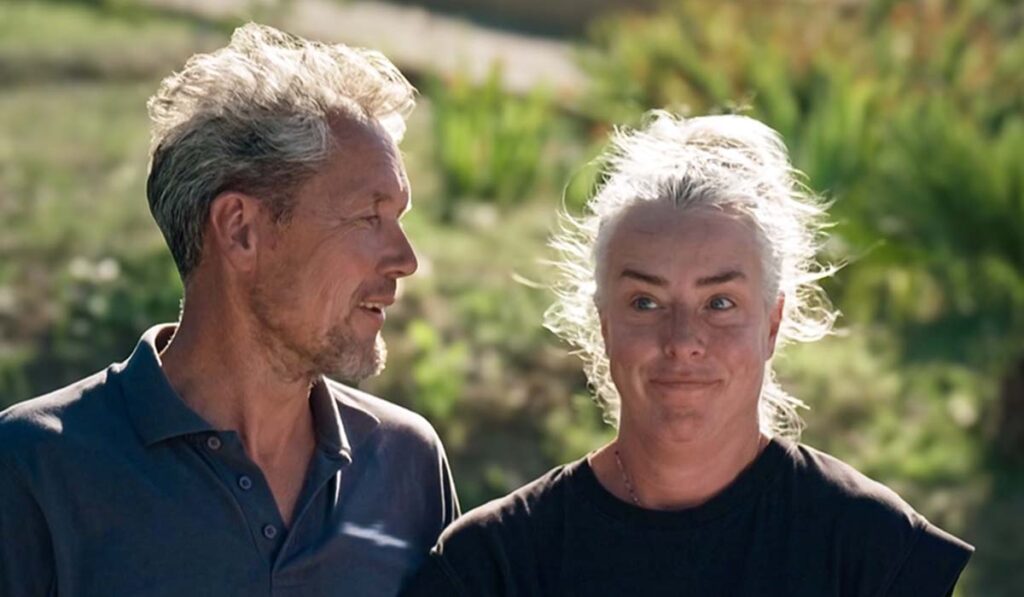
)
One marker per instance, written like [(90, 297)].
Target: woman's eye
[(720, 303), (644, 303)]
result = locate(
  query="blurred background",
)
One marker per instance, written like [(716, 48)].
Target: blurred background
[(909, 115)]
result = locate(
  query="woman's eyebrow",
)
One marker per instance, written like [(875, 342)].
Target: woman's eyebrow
[(643, 277), (722, 278)]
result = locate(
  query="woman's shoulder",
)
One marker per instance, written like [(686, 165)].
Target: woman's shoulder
[(876, 532), (832, 484), (532, 505)]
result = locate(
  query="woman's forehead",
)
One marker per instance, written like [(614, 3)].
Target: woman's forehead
[(662, 240)]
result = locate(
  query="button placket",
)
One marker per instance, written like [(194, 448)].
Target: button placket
[(243, 479)]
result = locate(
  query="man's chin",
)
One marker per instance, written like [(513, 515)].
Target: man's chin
[(353, 363)]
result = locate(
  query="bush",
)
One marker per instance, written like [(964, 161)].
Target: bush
[(490, 145)]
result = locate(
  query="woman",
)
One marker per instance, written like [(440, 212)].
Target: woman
[(696, 259)]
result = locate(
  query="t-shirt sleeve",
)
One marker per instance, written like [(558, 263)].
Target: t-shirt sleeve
[(434, 579), (472, 558), (26, 553), (933, 565)]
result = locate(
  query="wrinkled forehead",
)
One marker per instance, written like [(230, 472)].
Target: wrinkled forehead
[(658, 233), (364, 167), (361, 140), (361, 134)]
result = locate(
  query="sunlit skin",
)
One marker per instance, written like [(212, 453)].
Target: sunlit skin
[(688, 331), (322, 286), (273, 305)]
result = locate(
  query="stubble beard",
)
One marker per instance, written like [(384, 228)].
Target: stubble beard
[(349, 359), (338, 354)]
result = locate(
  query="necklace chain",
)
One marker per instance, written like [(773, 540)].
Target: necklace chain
[(626, 480)]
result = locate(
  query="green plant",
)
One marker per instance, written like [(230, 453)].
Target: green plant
[(490, 144)]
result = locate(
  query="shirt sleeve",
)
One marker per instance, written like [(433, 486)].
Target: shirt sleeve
[(26, 551), (933, 565)]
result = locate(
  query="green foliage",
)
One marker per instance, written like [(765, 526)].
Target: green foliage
[(438, 371), (490, 145), (949, 274), (915, 426), (75, 227), (42, 41), (908, 114)]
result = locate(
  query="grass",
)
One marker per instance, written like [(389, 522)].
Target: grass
[(41, 41)]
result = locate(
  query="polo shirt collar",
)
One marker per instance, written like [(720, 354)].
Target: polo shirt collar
[(156, 410), (158, 413), (341, 423)]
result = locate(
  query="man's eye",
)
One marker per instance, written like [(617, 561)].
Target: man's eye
[(373, 220), (720, 303), (644, 303)]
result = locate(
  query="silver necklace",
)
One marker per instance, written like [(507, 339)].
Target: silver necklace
[(626, 480)]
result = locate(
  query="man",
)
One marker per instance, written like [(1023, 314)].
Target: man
[(218, 459), (696, 259)]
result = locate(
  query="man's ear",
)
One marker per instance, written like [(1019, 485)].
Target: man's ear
[(233, 228), (774, 321)]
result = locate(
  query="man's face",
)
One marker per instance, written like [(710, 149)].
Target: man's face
[(685, 323), (326, 275)]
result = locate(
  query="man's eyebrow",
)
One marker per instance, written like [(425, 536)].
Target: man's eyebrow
[(722, 278), (643, 277), (382, 197)]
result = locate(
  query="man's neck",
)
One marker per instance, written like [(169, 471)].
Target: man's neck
[(665, 475), (229, 379)]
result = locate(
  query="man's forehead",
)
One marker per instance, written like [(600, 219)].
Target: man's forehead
[(358, 174)]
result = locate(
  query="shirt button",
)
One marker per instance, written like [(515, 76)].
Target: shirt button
[(213, 442), (269, 531), (245, 482)]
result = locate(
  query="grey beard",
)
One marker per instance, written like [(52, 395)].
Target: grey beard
[(338, 355), (348, 361)]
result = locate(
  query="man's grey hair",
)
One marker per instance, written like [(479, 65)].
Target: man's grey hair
[(732, 163), (256, 117)]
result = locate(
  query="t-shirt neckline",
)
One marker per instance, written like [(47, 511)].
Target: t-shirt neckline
[(752, 480)]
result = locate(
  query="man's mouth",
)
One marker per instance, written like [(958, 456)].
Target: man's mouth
[(375, 308), (372, 306)]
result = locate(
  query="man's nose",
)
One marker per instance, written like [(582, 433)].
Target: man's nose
[(682, 336), (401, 259)]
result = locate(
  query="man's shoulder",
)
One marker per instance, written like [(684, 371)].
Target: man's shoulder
[(58, 414), (387, 417)]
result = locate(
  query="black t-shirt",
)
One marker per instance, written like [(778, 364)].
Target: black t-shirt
[(796, 522)]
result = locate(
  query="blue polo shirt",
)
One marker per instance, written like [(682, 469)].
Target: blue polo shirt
[(114, 486)]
